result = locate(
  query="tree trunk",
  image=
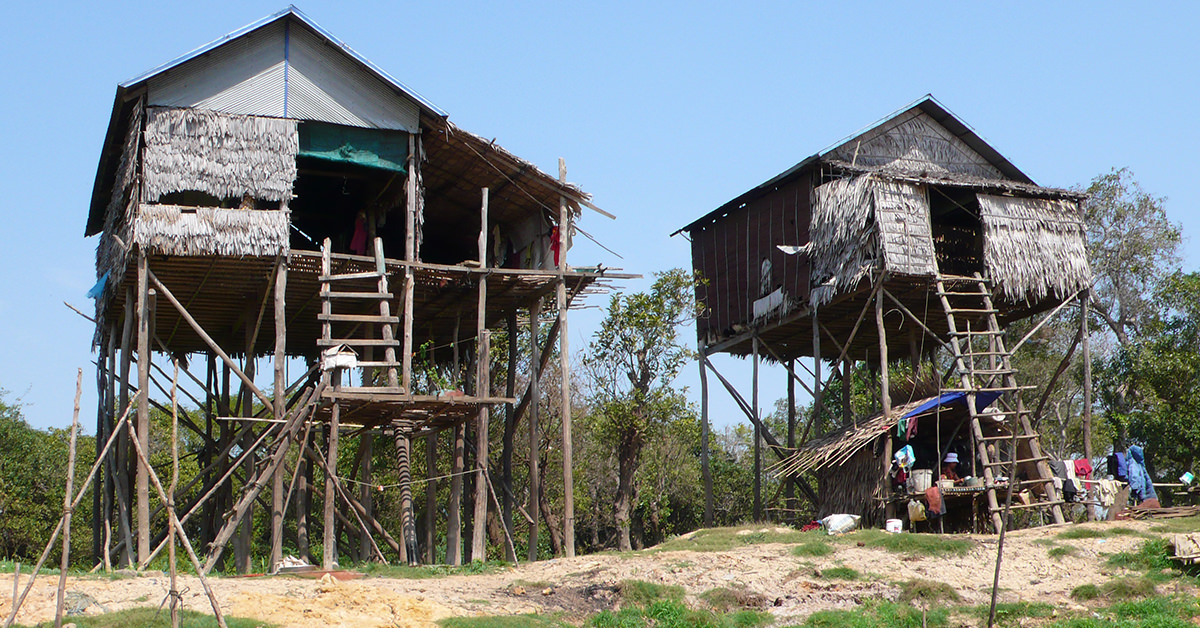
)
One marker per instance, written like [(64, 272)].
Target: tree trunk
[(628, 454)]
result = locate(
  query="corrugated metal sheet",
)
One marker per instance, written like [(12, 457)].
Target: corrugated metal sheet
[(902, 212), (245, 76), (326, 85)]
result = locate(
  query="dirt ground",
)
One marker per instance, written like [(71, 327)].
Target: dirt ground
[(576, 587)]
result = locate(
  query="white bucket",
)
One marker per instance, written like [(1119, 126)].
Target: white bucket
[(919, 480), (894, 526)]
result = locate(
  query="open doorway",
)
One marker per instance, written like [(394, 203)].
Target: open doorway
[(957, 230)]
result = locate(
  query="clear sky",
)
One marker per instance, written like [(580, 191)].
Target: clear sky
[(663, 111)]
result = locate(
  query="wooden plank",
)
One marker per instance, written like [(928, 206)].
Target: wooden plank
[(356, 342), (368, 274), (358, 318), (327, 294)]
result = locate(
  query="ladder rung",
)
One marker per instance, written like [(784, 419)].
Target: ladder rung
[(358, 318), (357, 342), (989, 388), (367, 389), (969, 310), (996, 438), (376, 364), (990, 371), (327, 294), (1057, 502), (976, 333), (370, 274)]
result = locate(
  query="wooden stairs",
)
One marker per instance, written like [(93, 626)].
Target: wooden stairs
[(982, 364)]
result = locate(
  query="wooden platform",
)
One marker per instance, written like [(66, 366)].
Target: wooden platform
[(415, 415)]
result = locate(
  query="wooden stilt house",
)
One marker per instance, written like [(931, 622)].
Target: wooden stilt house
[(914, 238), (273, 202)]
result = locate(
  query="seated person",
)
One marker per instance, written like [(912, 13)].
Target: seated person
[(950, 468)]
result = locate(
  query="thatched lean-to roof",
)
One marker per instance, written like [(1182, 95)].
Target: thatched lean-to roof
[(844, 242), (224, 155), (172, 230), (1034, 247)]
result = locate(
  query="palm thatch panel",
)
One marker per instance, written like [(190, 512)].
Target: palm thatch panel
[(1034, 247), (915, 142), (844, 242), (227, 156), (902, 210), (112, 252), (173, 230), (857, 487)]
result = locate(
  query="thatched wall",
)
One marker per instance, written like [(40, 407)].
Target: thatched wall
[(854, 488), (1033, 247), (844, 242), (227, 156), (915, 142), (902, 210), (172, 230), (112, 252)]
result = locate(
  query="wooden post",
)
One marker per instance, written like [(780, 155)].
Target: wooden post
[(758, 505), (534, 440), (124, 521), (329, 558), (143, 411), (431, 486), (818, 388), (366, 496), (482, 389), (66, 545), (847, 380), (410, 254), (171, 520), (790, 482), (1084, 311), (506, 452), (454, 508), (278, 505), (705, 467), (885, 397), (242, 543), (407, 524), (564, 356), (304, 481)]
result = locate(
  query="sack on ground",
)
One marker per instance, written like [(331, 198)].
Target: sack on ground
[(839, 524)]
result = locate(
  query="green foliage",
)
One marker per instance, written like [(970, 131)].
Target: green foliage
[(1153, 555), (33, 474), (155, 618), (1128, 588), (927, 591), (1062, 551), (725, 599), (723, 539), (911, 544), (422, 572), (812, 549), (1085, 592), (676, 614), (840, 573), (1011, 613), (1082, 533)]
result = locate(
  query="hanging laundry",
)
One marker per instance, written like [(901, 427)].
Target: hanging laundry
[(98, 290), (1083, 468), (1141, 486)]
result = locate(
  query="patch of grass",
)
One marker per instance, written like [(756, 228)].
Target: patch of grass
[(642, 593), (1045, 542), (1081, 533), (1153, 555), (840, 573), (421, 572), (910, 543), (511, 621), (1013, 612), (1158, 606), (1085, 592), (813, 548), (1062, 551), (151, 617), (927, 591), (675, 614), (875, 614), (1124, 532), (1182, 524), (725, 599), (1128, 588), (724, 539)]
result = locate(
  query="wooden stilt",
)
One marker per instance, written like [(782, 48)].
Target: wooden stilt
[(329, 557), (506, 452), (407, 524), (278, 505), (457, 465), (885, 398), (124, 520), (705, 465), (1084, 313), (789, 481), (758, 504), (431, 490), (242, 543), (143, 413), (847, 380), (482, 389), (534, 394), (564, 357), (174, 592), (366, 496)]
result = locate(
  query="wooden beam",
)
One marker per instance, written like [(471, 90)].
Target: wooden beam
[(143, 413), (564, 362), (482, 389), (278, 505), (534, 395)]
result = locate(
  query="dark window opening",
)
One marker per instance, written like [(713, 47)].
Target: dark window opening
[(957, 231)]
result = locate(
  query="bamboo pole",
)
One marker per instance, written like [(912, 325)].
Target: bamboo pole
[(278, 505), (67, 509), (174, 593), (329, 555), (457, 464), (506, 452), (758, 437), (1084, 307), (142, 486), (534, 395), (705, 465), (121, 464)]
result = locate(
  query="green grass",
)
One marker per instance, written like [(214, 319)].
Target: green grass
[(724, 539), (927, 591), (840, 573), (878, 615), (813, 548), (511, 621), (911, 544), (725, 599), (1182, 524), (642, 593), (1153, 612), (1153, 555), (153, 618), (1130, 588), (1082, 533), (676, 614), (1085, 592), (421, 572), (1011, 613), (1062, 551)]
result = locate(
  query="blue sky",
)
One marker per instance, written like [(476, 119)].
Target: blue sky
[(663, 111)]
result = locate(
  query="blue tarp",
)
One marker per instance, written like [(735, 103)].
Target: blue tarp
[(983, 399)]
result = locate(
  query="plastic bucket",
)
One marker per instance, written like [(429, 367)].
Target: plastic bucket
[(894, 526), (1187, 477), (920, 480)]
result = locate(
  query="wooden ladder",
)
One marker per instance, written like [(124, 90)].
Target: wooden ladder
[(370, 326), (983, 365)]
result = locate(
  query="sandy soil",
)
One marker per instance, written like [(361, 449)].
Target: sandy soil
[(790, 585)]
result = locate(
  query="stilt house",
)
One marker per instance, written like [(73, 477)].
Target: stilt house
[(273, 199), (913, 238)]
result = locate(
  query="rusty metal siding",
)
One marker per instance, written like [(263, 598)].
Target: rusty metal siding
[(728, 253)]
